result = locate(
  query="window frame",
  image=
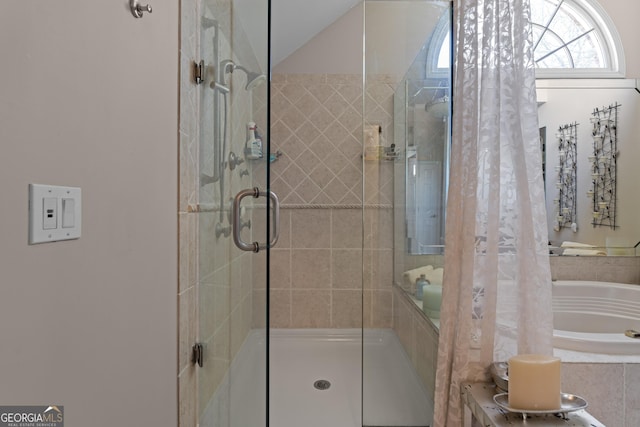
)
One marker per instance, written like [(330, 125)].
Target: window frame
[(608, 37), (591, 11)]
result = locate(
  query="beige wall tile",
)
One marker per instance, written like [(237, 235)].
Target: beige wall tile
[(280, 309), (382, 308), (310, 268), (346, 266), (426, 357), (324, 167), (309, 228), (597, 384), (632, 394), (311, 308), (346, 231), (346, 309), (381, 269), (379, 228), (259, 270), (280, 269), (403, 323), (418, 337), (259, 311), (606, 269), (316, 167)]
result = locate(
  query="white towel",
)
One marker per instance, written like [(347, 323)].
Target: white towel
[(583, 252), (576, 245), (410, 277), (435, 276)]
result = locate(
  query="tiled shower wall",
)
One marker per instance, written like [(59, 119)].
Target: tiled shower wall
[(329, 248)]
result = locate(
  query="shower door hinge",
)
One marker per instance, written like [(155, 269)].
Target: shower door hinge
[(198, 72), (197, 354)]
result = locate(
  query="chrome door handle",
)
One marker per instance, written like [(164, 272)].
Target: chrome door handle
[(237, 222)]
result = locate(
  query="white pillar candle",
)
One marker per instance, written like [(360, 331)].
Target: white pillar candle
[(534, 382)]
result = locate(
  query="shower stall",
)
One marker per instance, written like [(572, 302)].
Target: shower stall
[(293, 190)]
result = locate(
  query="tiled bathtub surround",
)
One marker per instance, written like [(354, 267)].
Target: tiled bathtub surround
[(611, 389), (600, 268), (610, 383)]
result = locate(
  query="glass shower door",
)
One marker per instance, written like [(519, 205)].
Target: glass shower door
[(233, 160), (406, 127)]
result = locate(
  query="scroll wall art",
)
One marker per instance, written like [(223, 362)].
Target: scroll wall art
[(566, 206), (603, 165)]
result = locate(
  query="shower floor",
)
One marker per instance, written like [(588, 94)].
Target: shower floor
[(391, 394)]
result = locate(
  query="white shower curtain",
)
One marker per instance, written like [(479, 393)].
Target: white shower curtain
[(497, 283)]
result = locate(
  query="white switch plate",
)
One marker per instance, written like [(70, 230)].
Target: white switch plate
[(48, 213)]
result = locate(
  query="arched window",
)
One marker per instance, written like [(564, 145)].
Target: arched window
[(575, 38), (572, 38)]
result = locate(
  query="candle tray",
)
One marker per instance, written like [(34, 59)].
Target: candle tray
[(568, 403)]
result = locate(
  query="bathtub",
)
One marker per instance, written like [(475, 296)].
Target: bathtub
[(593, 316)]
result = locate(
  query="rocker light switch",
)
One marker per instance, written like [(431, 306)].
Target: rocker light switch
[(54, 213), (68, 213)]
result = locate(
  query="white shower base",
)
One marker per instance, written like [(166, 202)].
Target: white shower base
[(393, 393)]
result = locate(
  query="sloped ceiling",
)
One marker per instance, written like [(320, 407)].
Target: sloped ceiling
[(295, 22)]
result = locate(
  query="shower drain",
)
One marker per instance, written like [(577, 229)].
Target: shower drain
[(322, 384)]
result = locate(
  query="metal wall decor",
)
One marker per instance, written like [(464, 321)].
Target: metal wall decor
[(566, 206), (603, 165)]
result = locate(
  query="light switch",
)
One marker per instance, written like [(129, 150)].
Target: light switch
[(49, 213), (54, 213), (68, 213)]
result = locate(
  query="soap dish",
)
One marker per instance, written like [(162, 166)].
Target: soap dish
[(568, 403)]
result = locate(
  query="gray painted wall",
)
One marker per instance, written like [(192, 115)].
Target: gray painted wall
[(88, 98)]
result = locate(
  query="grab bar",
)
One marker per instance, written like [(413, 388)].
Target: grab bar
[(237, 222)]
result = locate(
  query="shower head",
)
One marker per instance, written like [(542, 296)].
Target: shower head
[(438, 107), (253, 79)]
